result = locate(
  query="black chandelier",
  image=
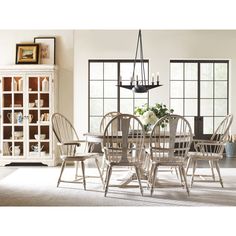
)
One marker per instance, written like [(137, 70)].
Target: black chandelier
[(140, 86)]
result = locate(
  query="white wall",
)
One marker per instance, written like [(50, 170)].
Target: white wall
[(64, 58), (159, 47)]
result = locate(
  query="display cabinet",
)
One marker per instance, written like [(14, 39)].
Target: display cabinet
[(28, 100)]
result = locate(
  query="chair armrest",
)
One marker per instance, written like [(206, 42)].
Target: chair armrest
[(208, 146), (72, 142)]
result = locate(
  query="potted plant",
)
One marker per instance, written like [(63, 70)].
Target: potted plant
[(149, 115), (230, 147)]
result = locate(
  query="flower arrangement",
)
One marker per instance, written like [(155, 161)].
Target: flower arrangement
[(150, 115)]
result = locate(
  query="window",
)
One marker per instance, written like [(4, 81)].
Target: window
[(199, 92), (105, 95)]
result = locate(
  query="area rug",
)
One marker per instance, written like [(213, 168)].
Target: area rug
[(36, 186)]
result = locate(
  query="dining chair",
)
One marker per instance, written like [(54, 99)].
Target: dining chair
[(68, 141), (105, 120), (123, 144), (210, 150), (170, 140)]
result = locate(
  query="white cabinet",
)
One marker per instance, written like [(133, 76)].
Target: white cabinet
[(28, 100)]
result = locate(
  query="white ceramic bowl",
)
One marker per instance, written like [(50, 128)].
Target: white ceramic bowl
[(40, 137), (18, 134), (39, 103), (31, 104)]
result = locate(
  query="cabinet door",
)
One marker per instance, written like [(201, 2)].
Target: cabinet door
[(38, 115), (12, 116)]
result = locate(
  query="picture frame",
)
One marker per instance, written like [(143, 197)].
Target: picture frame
[(27, 53), (47, 49)]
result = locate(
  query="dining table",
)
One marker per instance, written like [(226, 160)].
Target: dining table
[(95, 139)]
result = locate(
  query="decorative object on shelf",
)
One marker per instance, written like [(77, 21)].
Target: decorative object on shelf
[(15, 85), (44, 117), (149, 115), (40, 137), (27, 53), (31, 104), (39, 103), (36, 148), (230, 147), (16, 150), (140, 85), (6, 151), (19, 118), (20, 84), (30, 117), (45, 85), (47, 49)]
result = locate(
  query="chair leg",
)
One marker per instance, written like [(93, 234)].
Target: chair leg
[(97, 164), (76, 169), (177, 174), (139, 179), (153, 178), (103, 164), (212, 170), (185, 179), (188, 164), (109, 171), (194, 168), (62, 169), (218, 170), (181, 175), (83, 172)]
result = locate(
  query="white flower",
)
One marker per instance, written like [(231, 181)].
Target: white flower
[(148, 118)]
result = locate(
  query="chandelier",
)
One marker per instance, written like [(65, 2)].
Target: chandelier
[(140, 85)]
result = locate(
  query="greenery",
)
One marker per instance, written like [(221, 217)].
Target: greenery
[(150, 114)]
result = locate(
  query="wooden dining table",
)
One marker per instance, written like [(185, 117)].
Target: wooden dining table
[(96, 139)]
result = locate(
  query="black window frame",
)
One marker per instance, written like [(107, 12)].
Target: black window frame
[(118, 61)]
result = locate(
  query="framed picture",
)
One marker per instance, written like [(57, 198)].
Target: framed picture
[(27, 53), (47, 49)]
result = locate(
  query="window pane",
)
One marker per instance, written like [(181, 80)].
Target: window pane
[(220, 107), (206, 71), (126, 93), (140, 95), (206, 89), (206, 107), (220, 71), (110, 105), (190, 108), (96, 89), (126, 106), (110, 71), (217, 121), (207, 125), (176, 89), (190, 89), (191, 122), (96, 71), (177, 105), (126, 70), (95, 124), (110, 89), (176, 71), (220, 89), (96, 107), (190, 71)]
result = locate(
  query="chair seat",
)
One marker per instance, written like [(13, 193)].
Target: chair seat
[(206, 156), (79, 156), (169, 161)]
